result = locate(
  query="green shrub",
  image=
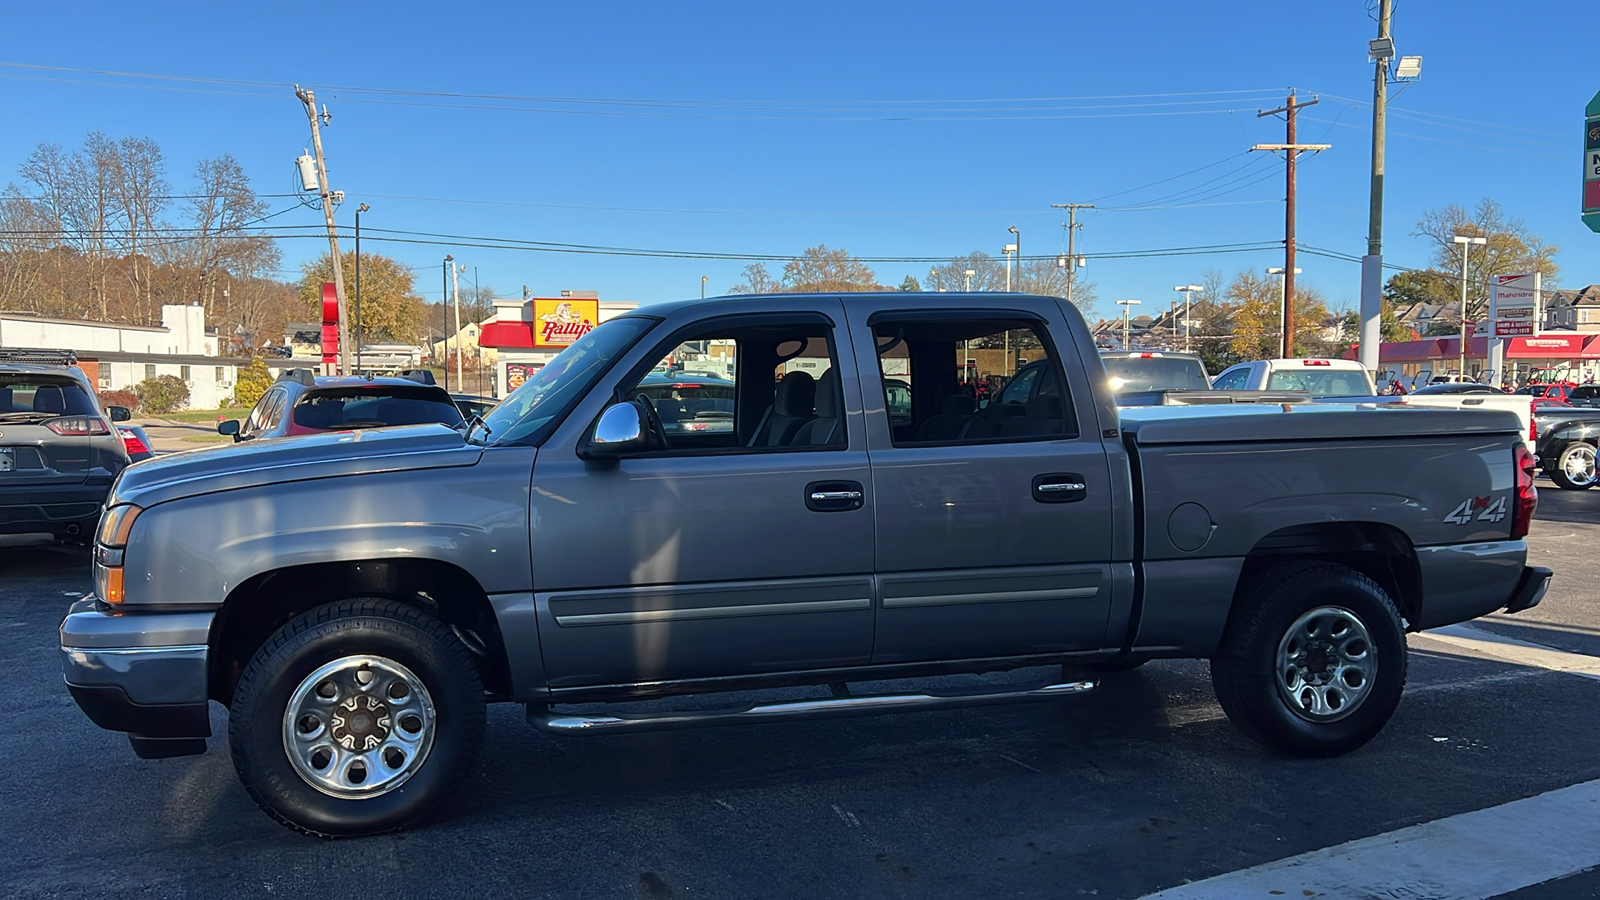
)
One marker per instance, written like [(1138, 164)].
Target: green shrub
[(162, 394), (253, 381)]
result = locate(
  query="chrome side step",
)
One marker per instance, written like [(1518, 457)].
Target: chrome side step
[(869, 704)]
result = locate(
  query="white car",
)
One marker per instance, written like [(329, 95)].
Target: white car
[(1322, 378)]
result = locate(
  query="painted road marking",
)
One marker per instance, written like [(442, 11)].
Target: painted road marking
[(1493, 646), (1464, 857)]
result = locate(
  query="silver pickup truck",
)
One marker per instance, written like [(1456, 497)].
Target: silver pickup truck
[(355, 599)]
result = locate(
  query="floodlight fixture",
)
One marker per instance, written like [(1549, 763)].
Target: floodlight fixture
[(1380, 49), (1408, 67)]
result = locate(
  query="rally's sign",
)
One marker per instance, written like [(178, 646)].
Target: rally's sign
[(557, 323)]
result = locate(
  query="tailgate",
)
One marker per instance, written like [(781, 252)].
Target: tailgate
[(35, 455)]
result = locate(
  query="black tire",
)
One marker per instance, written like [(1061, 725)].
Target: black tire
[(375, 627), (1245, 673), (1558, 472)]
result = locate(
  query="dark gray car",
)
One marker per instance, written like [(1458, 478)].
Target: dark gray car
[(355, 598), (58, 451)]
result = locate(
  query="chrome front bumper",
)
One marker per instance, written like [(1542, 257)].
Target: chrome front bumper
[(142, 673)]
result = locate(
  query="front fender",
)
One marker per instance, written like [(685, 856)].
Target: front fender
[(193, 551)]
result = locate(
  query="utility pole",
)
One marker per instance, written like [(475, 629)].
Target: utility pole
[(1370, 334), (1291, 149), (1072, 227), (309, 100), (360, 330), (455, 300)]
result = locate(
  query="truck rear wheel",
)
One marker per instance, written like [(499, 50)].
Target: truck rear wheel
[(355, 718), (1313, 661), (1575, 467)]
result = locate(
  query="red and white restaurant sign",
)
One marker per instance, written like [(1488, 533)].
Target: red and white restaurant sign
[(1514, 304)]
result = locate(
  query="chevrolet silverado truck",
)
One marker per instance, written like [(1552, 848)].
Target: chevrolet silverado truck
[(354, 599)]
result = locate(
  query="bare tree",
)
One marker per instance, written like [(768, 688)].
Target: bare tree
[(142, 194), (1511, 248), (757, 281), (218, 240)]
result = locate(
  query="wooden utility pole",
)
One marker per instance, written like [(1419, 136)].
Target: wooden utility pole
[(1291, 150), (1072, 228), (310, 101)]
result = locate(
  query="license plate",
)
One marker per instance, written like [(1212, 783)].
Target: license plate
[(8, 459)]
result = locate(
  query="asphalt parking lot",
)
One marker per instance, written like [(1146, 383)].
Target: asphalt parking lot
[(1139, 787)]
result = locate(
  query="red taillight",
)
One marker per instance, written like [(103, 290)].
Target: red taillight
[(1315, 362), (1527, 494), (1533, 423), (78, 425), (134, 445)]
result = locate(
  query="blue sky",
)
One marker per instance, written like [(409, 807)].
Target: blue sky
[(889, 129)]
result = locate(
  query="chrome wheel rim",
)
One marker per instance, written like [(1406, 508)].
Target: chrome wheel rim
[(1326, 664), (359, 727), (1578, 464)]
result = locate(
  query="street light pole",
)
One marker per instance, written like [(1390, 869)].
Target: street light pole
[(969, 273), (1466, 245), (360, 325), (1018, 247), (702, 287), (1187, 289), (1127, 306), (449, 264)]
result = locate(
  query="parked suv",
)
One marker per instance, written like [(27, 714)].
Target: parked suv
[(58, 452), (301, 403)]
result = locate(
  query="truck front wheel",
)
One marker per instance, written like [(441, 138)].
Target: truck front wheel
[(1313, 661), (356, 717)]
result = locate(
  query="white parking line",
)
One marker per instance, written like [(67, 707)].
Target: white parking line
[(1493, 646), (1465, 857)]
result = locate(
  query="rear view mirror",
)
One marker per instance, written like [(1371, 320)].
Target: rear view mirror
[(229, 427), (119, 413), (620, 431)]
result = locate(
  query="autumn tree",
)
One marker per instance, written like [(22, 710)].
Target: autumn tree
[(1511, 248), (1256, 317), (391, 308), (818, 270), (1038, 276), (909, 284)]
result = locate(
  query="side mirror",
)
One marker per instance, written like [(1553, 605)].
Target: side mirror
[(620, 431), (229, 427), (119, 413)]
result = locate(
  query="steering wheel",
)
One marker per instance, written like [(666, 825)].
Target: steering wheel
[(654, 419)]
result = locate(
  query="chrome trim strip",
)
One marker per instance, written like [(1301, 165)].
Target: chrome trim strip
[(1063, 486), (640, 616), (1078, 593), (128, 651)]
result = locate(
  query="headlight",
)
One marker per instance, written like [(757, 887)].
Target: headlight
[(116, 524)]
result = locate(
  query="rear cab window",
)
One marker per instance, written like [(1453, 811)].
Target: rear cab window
[(1321, 381), (324, 409)]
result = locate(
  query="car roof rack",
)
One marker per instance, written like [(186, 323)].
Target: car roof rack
[(38, 357), (299, 376), (420, 376)]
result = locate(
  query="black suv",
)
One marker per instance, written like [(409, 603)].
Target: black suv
[(301, 403), (58, 452)]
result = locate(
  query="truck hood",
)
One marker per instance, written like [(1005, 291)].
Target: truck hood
[(298, 458), (1306, 421)]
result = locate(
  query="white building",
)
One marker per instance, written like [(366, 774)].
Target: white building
[(117, 357)]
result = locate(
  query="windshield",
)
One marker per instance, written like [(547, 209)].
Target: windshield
[(44, 396), (1165, 373), (1322, 382), (549, 392)]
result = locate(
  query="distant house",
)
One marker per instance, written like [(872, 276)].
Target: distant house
[(1577, 310)]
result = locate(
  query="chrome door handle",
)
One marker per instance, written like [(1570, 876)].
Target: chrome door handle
[(1063, 486), (825, 496)]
